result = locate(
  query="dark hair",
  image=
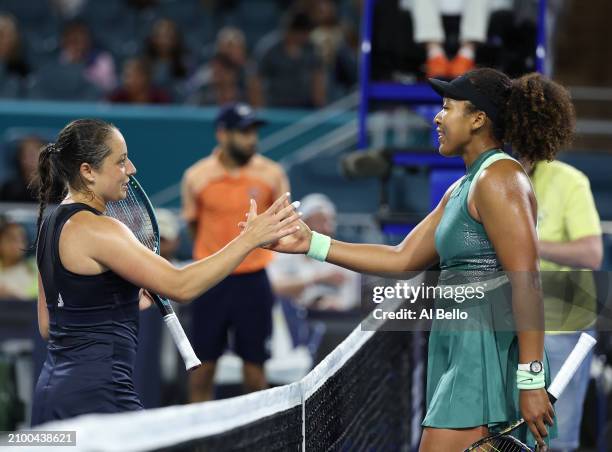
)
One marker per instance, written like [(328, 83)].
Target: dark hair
[(537, 114), (75, 25), (81, 141), (297, 21)]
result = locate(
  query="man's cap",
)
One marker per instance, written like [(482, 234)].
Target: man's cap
[(317, 203), (462, 89), (237, 116)]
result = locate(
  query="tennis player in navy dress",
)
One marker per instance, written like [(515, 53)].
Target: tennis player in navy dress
[(92, 269)]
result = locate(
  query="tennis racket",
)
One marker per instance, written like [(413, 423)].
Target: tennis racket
[(502, 441), (136, 212)]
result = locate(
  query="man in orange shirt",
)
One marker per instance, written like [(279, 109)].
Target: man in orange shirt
[(215, 193)]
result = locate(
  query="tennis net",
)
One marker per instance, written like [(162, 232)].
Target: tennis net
[(358, 398)]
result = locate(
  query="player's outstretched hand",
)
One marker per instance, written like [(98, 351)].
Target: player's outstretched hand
[(278, 221), (297, 241)]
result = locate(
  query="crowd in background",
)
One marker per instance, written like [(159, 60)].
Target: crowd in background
[(200, 52), (291, 53)]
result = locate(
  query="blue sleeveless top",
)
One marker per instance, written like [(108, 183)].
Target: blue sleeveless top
[(93, 331)]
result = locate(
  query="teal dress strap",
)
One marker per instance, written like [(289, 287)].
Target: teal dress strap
[(488, 162)]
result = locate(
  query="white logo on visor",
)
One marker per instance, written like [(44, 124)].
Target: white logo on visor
[(244, 110)]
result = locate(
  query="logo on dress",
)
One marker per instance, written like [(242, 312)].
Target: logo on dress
[(60, 301)]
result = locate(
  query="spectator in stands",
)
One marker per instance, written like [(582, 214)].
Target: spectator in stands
[(222, 79), (77, 48), (18, 275), (339, 60), (570, 237), (287, 71), (12, 60), (215, 192), (428, 29), (19, 188), (310, 283), (168, 233), (137, 87), (223, 85), (166, 53)]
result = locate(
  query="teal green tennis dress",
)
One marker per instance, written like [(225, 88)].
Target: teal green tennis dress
[(471, 370)]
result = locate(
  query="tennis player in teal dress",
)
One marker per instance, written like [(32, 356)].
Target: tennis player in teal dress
[(483, 230)]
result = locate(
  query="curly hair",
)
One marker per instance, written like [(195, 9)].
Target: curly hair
[(537, 114)]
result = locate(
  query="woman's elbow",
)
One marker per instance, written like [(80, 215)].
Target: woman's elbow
[(183, 297), (594, 260)]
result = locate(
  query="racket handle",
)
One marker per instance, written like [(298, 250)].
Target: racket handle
[(182, 342), (163, 304), (571, 364)]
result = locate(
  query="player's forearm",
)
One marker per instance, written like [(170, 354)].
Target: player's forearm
[(196, 278), (528, 310), (366, 258), (586, 252)]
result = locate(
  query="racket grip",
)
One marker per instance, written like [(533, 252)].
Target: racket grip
[(571, 364), (182, 342)]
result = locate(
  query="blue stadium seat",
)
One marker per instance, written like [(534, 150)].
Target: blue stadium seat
[(62, 82), (196, 23), (113, 26), (11, 87), (33, 16), (40, 50), (29, 13), (257, 25)]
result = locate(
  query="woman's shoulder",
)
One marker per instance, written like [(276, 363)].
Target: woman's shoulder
[(501, 172), (502, 181), (87, 223)]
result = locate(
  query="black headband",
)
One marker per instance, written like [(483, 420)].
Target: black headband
[(462, 89)]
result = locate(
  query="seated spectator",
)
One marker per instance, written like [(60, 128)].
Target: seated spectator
[(137, 87), (19, 188), (168, 234), (222, 79), (223, 85), (18, 274), (428, 29), (287, 71), (12, 60), (77, 48), (310, 283), (166, 53), (339, 60)]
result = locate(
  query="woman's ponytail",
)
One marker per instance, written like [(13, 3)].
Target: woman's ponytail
[(50, 181)]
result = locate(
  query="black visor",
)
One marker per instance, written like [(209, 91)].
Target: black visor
[(462, 89)]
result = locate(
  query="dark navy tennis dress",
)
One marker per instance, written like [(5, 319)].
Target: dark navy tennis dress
[(93, 331)]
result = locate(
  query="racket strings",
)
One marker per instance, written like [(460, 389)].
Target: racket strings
[(503, 444), (131, 212)]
